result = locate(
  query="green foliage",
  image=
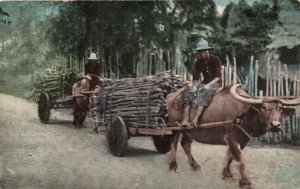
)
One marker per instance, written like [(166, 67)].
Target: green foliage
[(83, 26), (4, 19), (124, 29), (24, 45), (247, 28), (287, 33)]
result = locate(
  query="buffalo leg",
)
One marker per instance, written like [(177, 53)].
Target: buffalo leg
[(82, 117), (227, 175), (237, 156), (75, 113), (174, 144), (186, 143)]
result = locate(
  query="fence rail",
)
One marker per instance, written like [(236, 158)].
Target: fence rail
[(279, 82)]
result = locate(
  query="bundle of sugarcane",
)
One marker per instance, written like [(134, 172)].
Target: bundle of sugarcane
[(56, 82), (139, 101)]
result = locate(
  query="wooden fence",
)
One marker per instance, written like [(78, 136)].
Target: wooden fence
[(279, 82), (278, 79)]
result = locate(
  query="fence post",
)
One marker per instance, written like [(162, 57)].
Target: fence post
[(255, 79), (274, 135), (274, 81), (234, 71), (150, 64), (293, 126), (230, 75), (297, 111), (168, 60), (250, 81), (226, 75), (223, 75), (268, 77), (279, 79)]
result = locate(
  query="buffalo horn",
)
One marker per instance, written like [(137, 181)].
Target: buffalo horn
[(243, 99), (291, 102)]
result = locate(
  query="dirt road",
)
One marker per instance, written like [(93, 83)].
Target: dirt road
[(34, 155)]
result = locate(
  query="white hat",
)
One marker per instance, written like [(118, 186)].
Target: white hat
[(93, 56), (202, 45)]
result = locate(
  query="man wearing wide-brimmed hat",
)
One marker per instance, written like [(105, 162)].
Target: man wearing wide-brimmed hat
[(200, 92), (92, 66)]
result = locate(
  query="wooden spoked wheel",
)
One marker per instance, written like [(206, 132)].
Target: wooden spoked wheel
[(117, 136), (162, 143), (44, 107)]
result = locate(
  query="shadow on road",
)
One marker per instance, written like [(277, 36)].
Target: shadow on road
[(139, 152), (65, 123)]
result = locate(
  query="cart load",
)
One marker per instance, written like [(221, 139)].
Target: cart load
[(140, 102), (55, 82), (52, 89)]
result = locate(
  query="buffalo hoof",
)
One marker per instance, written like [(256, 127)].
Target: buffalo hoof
[(228, 177), (245, 184), (173, 166), (77, 127), (195, 166), (96, 130)]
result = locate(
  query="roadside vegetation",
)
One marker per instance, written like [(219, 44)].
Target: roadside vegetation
[(132, 38)]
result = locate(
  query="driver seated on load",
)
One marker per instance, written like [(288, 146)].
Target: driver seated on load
[(199, 94)]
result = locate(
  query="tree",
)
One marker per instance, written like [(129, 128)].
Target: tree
[(247, 28), (125, 29), (4, 17)]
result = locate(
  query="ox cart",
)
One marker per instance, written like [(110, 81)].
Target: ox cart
[(136, 107), (53, 90)]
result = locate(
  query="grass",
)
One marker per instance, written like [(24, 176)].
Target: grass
[(15, 85)]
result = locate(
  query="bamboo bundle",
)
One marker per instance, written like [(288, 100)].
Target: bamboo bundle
[(57, 83), (139, 101)]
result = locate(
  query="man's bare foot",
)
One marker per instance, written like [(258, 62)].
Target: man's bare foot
[(181, 124), (194, 124)]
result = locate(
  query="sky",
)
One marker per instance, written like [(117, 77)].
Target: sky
[(221, 4)]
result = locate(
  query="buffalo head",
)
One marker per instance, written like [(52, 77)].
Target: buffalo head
[(270, 110)]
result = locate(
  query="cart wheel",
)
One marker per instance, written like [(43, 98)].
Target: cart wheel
[(162, 143), (117, 136), (44, 106)]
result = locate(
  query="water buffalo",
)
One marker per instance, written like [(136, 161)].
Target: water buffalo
[(81, 92), (252, 117)]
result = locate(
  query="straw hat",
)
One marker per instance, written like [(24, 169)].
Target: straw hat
[(202, 45), (93, 56)]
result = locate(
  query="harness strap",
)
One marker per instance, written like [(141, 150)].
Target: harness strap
[(237, 124)]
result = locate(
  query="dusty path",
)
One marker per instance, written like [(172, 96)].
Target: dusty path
[(34, 155)]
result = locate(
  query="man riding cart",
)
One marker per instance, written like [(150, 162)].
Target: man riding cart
[(199, 94)]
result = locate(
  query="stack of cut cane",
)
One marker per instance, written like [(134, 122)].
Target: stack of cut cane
[(55, 82), (140, 102)]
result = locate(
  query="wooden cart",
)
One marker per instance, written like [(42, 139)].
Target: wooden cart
[(135, 107), (118, 133), (46, 102), (54, 91)]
